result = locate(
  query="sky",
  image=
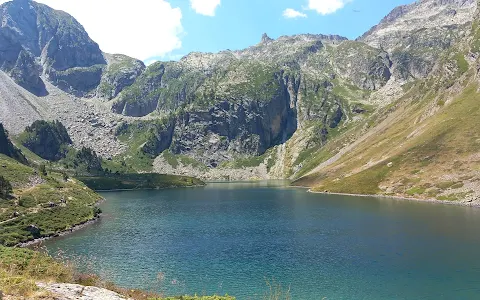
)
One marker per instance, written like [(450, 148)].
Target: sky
[(153, 30)]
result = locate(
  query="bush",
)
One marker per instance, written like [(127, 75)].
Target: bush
[(42, 170), (49, 140), (5, 188)]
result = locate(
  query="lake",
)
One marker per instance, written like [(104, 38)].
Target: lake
[(234, 237)]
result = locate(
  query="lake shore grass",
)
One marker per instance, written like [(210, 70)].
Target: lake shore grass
[(66, 232), (143, 181), (435, 201), (23, 272)]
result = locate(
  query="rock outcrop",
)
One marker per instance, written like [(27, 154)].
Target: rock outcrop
[(120, 73), (36, 40), (67, 291)]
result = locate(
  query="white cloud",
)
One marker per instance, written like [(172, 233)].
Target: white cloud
[(205, 7), (142, 28), (326, 7), (290, 13)]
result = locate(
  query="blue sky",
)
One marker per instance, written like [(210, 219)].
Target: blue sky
[(239, 24), (168, 29)]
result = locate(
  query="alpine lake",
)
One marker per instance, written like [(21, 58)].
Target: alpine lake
[(239, 238)]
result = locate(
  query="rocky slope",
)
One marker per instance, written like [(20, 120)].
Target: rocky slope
[(427, 144), (275, 110)]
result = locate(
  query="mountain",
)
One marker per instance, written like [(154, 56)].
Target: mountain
[(284, 108), (426, 144)]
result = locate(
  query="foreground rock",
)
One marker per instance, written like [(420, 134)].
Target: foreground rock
[(66, 291)]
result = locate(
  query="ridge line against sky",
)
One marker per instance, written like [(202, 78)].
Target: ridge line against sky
[(153, 30)]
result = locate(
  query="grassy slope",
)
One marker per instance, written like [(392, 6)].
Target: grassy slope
[(139, 181), (413, 153), (37, 201)]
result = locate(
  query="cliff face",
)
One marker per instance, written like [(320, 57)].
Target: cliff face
[(36, 40), (416, 34), (243, 103)]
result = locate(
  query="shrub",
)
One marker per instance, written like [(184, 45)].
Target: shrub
[(5, 188), (49, 140), (42, 170)]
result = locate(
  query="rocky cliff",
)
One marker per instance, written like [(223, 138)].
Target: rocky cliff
[(274, 110), (36, 40)]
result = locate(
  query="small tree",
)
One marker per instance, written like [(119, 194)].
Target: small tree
[(5, 188), (65, 176), (42, 169)]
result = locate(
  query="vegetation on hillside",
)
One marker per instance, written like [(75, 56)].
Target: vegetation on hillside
[(21, 268), (83, 162), (7, 148), (138, 181), (42, 205), (49, 140), (5, 188), (425, 147)]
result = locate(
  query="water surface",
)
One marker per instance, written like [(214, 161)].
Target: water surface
[(231, 238)]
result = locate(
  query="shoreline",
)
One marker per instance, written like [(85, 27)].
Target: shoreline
[(435, 201), (149, 189), (87, 223), (74, 228), (63, 233)]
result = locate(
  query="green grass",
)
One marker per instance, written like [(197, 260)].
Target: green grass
[(442, 145), (174, 160), (252, 161), (416, 191), (454, 196), (311, 159), (139, 181), (170, 158), (21, 268), (41, 204), (461, 63), (366, 182), (447, 184), (15, 172)]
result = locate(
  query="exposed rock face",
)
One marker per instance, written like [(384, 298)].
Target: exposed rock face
[(266, 38), (36, 39), (366, 67), (425, 15), (414, 35), (67, 291), (246, 128), (26, 73), (215, 134), (121, 73)]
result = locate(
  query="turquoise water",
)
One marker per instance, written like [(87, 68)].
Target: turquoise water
[(231, 238)]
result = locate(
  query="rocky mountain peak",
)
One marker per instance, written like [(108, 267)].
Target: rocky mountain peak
[(430, 15), (266, 38), (37, 40)]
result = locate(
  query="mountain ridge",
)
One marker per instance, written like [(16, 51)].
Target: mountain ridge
[(268, 111)]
